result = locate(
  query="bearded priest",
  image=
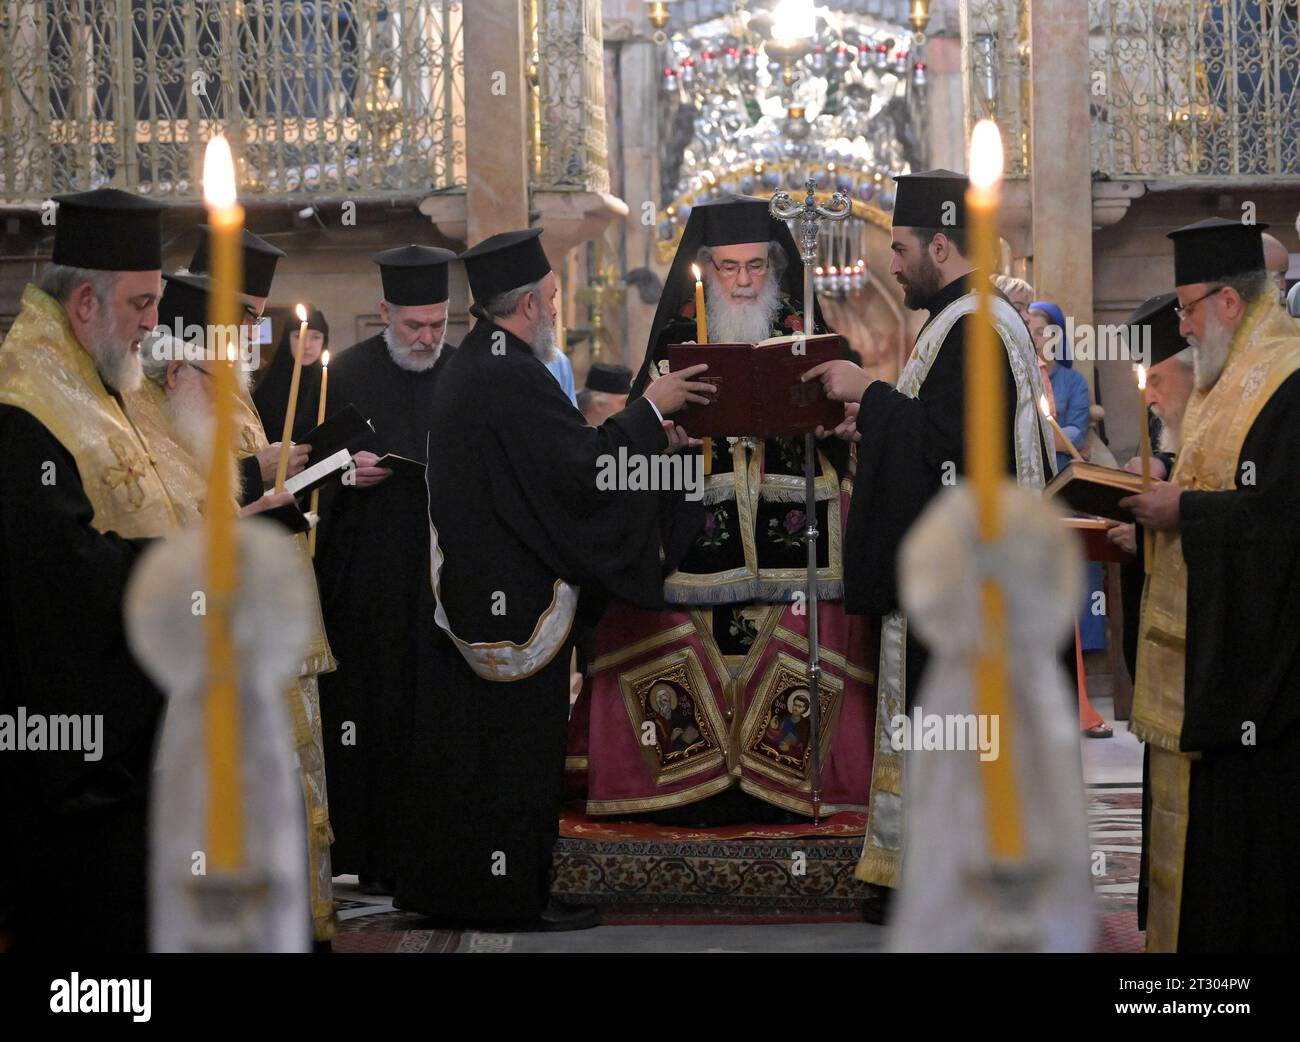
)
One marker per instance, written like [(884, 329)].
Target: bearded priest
[(373, 558), (1217, 697), (700, 713), (172, 409), (910, 443)]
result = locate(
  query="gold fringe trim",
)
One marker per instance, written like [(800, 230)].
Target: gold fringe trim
[(878, 867), (888, 775), (1153, 735)]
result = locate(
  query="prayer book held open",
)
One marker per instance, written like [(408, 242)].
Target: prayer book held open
[(759, 393)]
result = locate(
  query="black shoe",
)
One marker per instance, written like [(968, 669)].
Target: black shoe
[(558, 917), (877, 907)]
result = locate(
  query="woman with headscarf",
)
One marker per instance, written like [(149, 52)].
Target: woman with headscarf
[(272, 393), (1070, 407)]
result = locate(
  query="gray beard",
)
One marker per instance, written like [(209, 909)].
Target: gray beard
[(543, 342), (196, 430), (402, 357), (118, 366), (1209, 356), (1171, 435), (746, 322)]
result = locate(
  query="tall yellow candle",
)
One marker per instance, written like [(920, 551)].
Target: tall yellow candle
[(225, 828), (702, 337), (1047, 415), (986, 438), (1144, 435), (286, 438), (320, 418)]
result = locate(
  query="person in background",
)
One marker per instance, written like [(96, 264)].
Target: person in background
[(272, 395), (1019, 292), (1068, 402), (605, 393)]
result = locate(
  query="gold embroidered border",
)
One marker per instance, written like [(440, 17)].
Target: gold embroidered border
[(636, 806), (615, 658), (837, 660), (831, 695), (681, 660), (793, 803)]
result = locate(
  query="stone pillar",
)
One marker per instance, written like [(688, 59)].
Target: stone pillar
[(1061, 182), (496, 119)]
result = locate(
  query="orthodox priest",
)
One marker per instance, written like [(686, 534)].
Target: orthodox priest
[(172, 409), (258, 458), (700, 713), (373, 559), (1217, 698), (81, 497), (518, 525), (910, 443)]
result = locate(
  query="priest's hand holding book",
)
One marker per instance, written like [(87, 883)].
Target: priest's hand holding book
[(672, 391), (843, 381), (269, 458), (366, 472), (1157, 509)]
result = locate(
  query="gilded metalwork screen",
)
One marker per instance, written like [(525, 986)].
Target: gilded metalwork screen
[(342, 98)]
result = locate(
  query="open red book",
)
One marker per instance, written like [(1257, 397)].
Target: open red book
[(759, 393)]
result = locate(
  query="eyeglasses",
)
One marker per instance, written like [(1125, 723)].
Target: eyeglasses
[(1184, 311), (731, 268)]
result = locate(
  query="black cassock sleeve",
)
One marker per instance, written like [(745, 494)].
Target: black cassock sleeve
[(902, 456), (251, 472), (548, 495), (1242, 549), (61, 587)]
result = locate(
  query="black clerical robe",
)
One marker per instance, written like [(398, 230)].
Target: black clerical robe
[(902, 458), (74, 831), (372, 563), (1242, 551), (514, 500)]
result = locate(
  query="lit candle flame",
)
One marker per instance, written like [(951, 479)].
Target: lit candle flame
[(325, 359), (985, 155), (301, 313), (1142, 378), (696, 269), (1042, 404), (218, 174)]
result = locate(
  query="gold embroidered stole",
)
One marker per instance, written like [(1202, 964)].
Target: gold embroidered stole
[(46, 372), (881, 860), (1264, 352)]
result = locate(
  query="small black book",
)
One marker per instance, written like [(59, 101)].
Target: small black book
[(340, 431), (289, 516), (401, 465)]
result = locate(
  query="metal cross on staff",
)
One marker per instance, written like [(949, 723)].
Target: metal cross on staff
[(809, 214)]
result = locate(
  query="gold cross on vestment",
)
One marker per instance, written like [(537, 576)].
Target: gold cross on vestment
[(492, 661), (248, 441), (129, 472)]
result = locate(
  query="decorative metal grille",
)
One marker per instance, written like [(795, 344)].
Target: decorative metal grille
[(1179, 88), (1196, 88), (567, 114), (327, 98)]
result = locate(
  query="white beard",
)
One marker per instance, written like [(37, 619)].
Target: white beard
[(192, 421), (118, 366), (1210, 355), (191, 418), (1171, 435), (742, 322), (403, 357), (543, 341)]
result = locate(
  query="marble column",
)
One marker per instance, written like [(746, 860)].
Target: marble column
[(496, 119), (1060, 153)]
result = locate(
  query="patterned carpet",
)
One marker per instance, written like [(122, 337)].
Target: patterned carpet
[(648, 875)]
